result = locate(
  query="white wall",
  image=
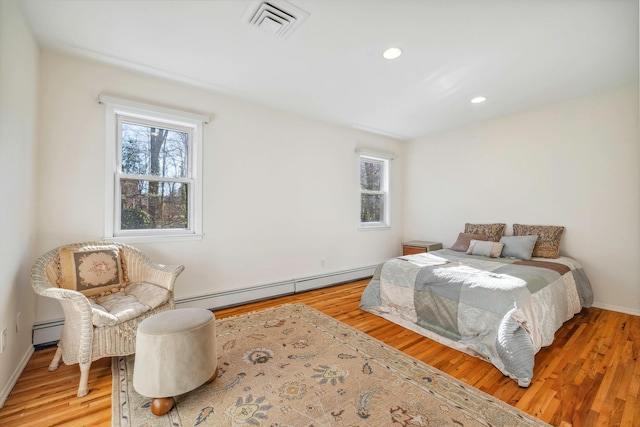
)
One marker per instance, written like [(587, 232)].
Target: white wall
[(574, 164), (280, 191), (18, 108)]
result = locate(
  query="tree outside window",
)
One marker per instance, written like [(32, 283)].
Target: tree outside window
[(153, 186), (153, 171), (373, 191)]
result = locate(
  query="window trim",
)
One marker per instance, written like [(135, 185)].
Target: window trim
[(385, 159), (115, 108)]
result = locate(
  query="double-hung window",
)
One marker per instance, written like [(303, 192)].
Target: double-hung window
[(374, 190), (154, 158)]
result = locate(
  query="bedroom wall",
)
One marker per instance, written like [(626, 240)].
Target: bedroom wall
[(280, 191), (18, 109), (574, 164)]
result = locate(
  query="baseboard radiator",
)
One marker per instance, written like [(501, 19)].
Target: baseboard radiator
[(48, 333)]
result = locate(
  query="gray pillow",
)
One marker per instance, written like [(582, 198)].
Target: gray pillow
[(518, 246)]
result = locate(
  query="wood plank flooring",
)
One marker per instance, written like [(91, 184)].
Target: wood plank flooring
[(590, 376)]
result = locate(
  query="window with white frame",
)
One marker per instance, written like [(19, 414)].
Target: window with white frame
[(153, 183), (374, 191)]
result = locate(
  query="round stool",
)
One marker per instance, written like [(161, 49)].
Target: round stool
[(175, 353)]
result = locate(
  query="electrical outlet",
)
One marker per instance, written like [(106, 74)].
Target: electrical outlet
[(18, 322), (3, 340)]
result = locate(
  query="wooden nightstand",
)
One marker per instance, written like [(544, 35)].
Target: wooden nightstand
[(418, 247)]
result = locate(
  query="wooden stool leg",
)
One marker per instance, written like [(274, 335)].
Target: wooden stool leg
[(161, 405), (213, 377)]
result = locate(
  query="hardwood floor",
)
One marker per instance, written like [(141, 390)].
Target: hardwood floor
[(590, 376)]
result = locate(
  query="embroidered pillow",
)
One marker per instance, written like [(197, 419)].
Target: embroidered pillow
[(463, 241), (549, 236), (492, 232), (484, 248), (518, 246), (92, 270)]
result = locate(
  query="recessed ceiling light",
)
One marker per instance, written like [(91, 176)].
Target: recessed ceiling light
[(392, 53), (478, 100)]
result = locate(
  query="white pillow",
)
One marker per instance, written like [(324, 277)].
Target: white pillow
[(490, 249)]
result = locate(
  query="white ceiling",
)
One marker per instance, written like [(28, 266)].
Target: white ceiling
[(520, 54)]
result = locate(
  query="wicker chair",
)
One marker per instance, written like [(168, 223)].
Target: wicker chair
[(81, 340)]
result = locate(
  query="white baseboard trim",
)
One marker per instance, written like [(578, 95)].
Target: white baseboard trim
[(617, 308), (49, 332), (229, 298), (16, 374)]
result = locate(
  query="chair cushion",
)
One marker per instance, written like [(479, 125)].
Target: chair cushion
[(136, 299), (92, 270)]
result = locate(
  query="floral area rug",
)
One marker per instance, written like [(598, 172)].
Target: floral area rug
[(293, 366)]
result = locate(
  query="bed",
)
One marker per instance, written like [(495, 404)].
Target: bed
[(500, 309)]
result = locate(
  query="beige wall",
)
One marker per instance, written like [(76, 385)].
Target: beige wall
[(280, 191), (18, 108), (574, 164)]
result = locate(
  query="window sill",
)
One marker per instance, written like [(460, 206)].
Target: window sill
[(155, 238), (373, 227)]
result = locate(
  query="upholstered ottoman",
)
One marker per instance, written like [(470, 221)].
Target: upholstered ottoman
[(175, 353)]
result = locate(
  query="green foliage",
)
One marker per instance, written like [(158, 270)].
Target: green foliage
[(135, 219)]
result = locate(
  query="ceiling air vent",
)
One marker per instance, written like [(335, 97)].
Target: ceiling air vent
[(279, 17)]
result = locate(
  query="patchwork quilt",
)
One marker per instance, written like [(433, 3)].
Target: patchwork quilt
[(499, 309)]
